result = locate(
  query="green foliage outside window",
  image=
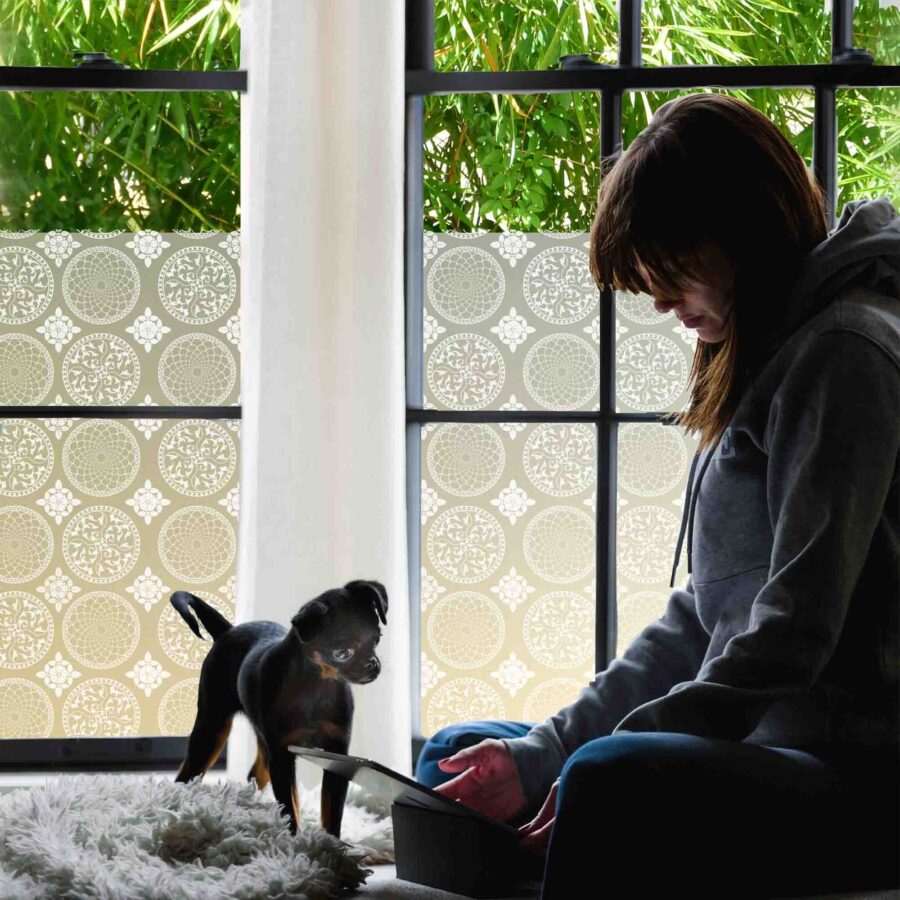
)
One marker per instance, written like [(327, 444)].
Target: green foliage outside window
[(102, 161), (171, 160), (501, 161)]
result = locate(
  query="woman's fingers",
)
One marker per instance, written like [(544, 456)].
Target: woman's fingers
[(538, 841), (457, 788), (460, 760), (545, 814)]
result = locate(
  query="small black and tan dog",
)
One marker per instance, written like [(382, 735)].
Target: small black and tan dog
[(291, 684)]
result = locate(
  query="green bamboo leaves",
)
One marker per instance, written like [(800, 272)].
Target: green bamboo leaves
[(103, 161)]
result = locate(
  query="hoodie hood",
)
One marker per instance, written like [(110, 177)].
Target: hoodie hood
[(862, 250)]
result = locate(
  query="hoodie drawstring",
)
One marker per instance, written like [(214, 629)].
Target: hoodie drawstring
[(684, 515), (690, 505)]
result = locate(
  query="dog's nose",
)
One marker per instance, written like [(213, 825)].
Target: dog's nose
[(372, 665)]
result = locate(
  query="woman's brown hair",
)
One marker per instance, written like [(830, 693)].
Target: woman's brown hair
[(710, 168)]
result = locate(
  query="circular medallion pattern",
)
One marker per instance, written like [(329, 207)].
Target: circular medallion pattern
[(463, 700), (559, 629), (466, 285), (197, 544), (197, 285), (101, 285), (101, 707), (26, 630), (197, 457), (549, 697), (647, 537), (559, 544), (465, 460), (561, 371), (101, 630), (466, 371), (197, 370), (101, 544), (178, 708), (26, 544), (466, 630), (26, 457), (26, 370), (466, 544), (652, 459), (26, 285), (651, 371), (25, 710), (560, 459), (101, 370), (101, 457), (559, 287)]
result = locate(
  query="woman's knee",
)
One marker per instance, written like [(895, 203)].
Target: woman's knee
[(616, 761)]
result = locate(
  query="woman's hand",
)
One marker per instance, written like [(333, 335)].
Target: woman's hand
[(488, 781), (536, 833)]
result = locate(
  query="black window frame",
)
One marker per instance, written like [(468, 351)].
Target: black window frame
[(849, 67), (113, 753)]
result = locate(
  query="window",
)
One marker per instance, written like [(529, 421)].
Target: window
[(545, 483), (119, 373)]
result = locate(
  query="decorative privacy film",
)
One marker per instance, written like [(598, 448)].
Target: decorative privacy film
[(508, 558), (100, 520), (654, 353), (119, 318), (653, 465), (512, 322)]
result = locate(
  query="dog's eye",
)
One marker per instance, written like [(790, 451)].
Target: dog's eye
[(342, 655)]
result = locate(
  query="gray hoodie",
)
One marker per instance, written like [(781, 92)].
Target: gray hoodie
[(786, 632)]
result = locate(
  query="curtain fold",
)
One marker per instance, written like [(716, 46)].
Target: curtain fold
[(323, 449)]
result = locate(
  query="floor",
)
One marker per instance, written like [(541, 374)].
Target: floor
[(383, 884)]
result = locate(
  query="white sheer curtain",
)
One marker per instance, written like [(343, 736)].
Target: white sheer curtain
[(323, 455)]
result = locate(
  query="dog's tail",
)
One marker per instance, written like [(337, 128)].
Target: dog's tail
[(214, 622)]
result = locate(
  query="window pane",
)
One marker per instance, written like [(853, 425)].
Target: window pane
[(104, 318), (511, 322), (505, 162), (140, 35), (735, 32), (508, 560), (868, 144), (653, 465), (144, 160), (654, 352), (876, 26), (499, 35), (100, 520), (492, 35)]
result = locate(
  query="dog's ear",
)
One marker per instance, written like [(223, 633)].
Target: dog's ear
[(310, 620), (374, 592)]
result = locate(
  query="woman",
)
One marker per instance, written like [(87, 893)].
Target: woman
[(747, 743)]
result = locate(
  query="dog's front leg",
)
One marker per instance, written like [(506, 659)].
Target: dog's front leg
[(284, 784), (334, 787), (334, 793)]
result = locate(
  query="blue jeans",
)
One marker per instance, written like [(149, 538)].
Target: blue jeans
[(648, 814)]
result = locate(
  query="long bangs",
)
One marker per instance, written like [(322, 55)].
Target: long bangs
[(626, 238)]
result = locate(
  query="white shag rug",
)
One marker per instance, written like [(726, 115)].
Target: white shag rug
[(118, 837)]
